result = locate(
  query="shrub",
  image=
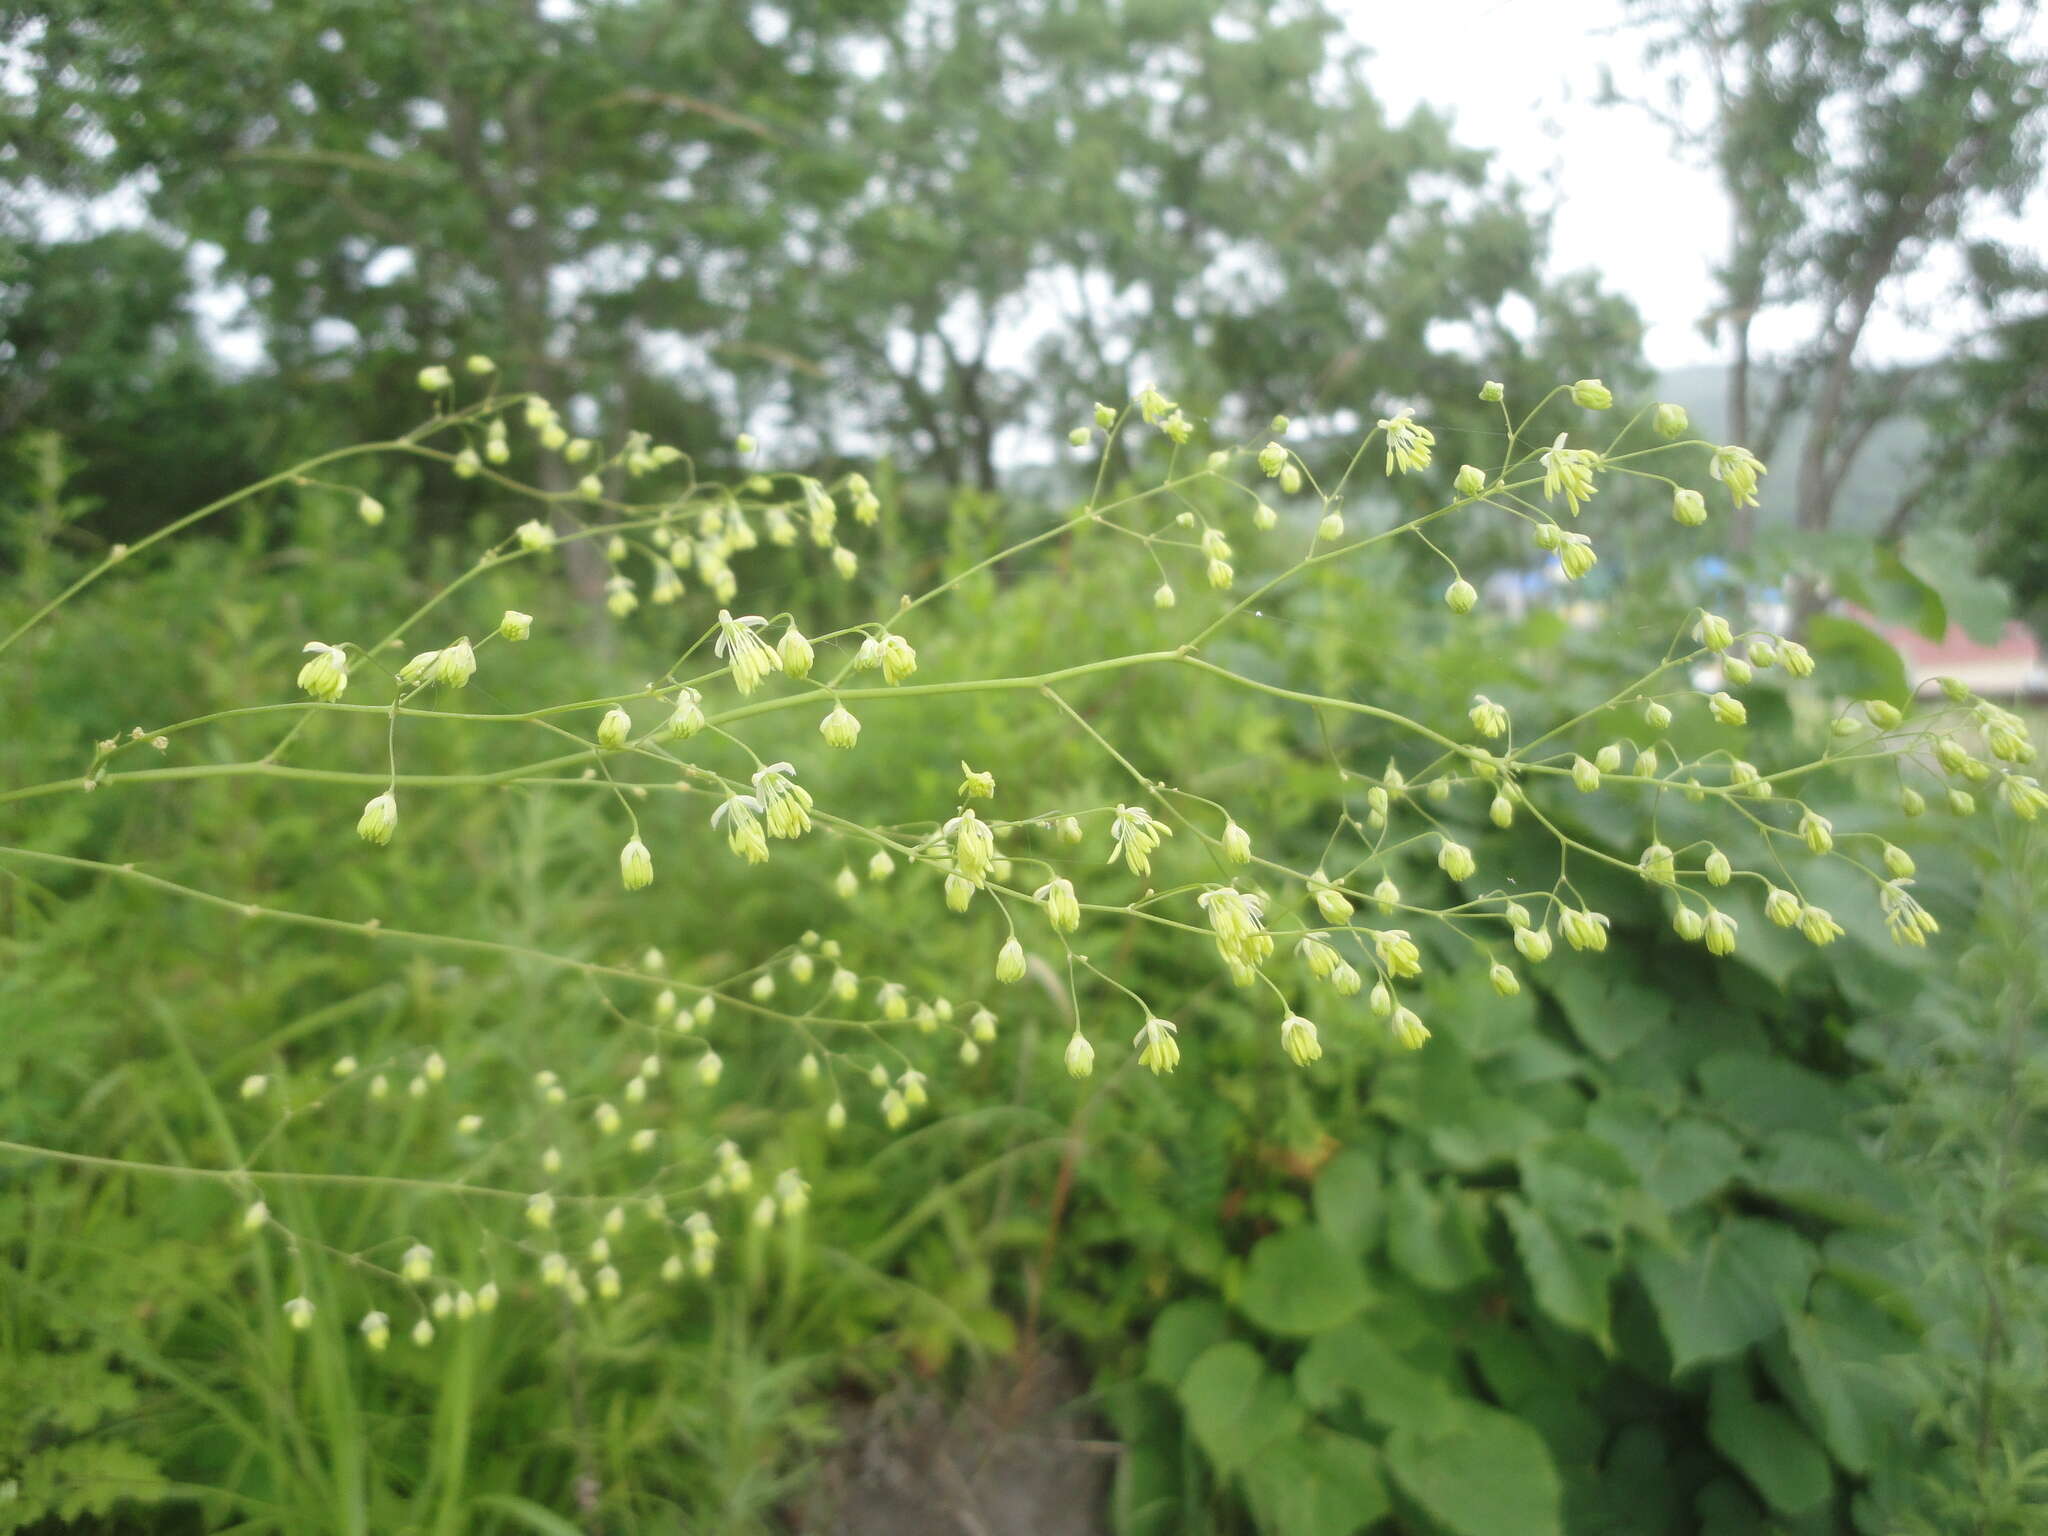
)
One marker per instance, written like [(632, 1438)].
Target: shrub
[(642, 1021)]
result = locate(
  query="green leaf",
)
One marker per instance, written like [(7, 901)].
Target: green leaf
[(534, 1517), (1771, 1447), (1579, 1181), (1856, 659), (1435, 1242), (1180, 1333), (1606, 1009), (1733, 1288), (1479, 1473), (1759, 1094), (1680, 1162), (1324, 1484), (1356, 1361), (1570, 1277), (1152, 1475), (1826, 1177), (1235, 1406), (1838, 1369), (1299, 1282), (1947, 561), (1349, 1202)]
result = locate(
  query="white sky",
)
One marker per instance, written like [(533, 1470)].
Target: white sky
[(1522, 79)]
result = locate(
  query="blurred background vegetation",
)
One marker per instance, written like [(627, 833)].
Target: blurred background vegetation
[(1652, 1248)]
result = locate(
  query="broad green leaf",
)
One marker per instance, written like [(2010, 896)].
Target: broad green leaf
[(1467, 1126), (1578, 1181), (1836, 1367), (1770, 1447), (1324, 1484), (1947, 561), (1680, 1162), (1179, 1334), (1235, 1406), (1349, 1202), (1826, 1177), (1607, 1010), (1480, 1472), (1856, 660), (1433, 1240), (1759, 1094), (1299, 1282), (1734, 1287), (1633, 1492), (1356, 1362), (1570, 1277)]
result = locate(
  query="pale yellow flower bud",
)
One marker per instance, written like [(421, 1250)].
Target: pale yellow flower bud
[(1010, 961), (1298, 1040), (325, 675), (379, 819)]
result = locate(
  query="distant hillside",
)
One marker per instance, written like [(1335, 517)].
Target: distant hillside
[(1888, 460)]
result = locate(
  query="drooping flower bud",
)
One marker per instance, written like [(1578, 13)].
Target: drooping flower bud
[(1592, 395), (1488, 718), (1158, 1051), (1818, 832), (1670, 420), (1298, 1040), (1720, 933), (795, 653), (1237, 843), (636, 865), (325, 675), (379, 820), (1010, 961), (1583, 929), (615, 729), (1461, 597), (840, 728), (1408, 1030)]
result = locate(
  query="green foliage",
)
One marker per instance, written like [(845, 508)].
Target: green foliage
[(1860, 149), (1588, 1253)]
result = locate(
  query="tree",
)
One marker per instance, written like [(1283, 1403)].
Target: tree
[(869, 223), (1860, 149), (1056, 202), (388, 179)]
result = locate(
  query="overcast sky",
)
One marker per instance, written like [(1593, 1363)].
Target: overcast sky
[(1521, 80)]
